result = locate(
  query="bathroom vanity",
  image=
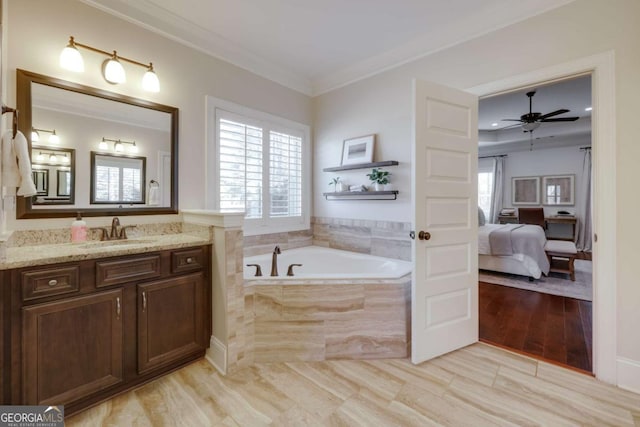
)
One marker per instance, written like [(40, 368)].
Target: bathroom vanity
[(76, 333)]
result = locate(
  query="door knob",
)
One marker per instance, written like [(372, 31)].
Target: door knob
[(424, 235)]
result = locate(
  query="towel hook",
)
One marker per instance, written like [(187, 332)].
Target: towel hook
[(154, 183)]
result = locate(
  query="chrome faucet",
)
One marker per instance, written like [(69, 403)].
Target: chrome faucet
[(274, 261)]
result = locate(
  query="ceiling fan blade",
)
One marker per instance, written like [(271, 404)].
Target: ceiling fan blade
[(507, 127), (554, 113), (561, 119)]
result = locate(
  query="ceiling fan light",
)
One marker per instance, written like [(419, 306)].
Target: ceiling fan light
[(529, 127)]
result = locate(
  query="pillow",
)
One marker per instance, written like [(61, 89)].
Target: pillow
[(481, 219)]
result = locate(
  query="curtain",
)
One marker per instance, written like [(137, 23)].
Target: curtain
[(583, 238), (498, 189)]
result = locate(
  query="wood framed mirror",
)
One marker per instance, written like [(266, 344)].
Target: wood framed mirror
[(88, 119)]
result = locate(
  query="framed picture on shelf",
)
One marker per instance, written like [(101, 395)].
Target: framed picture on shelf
[(525, 190), (358, 150)]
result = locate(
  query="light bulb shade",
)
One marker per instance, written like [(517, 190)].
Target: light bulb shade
[(64, 159), (35, 136), (54, 139), (113, 72), (53, 158), (133, 148), (529, 127), (70, 59), (103, 145), (118, 147), (40, 157), (150, 81)]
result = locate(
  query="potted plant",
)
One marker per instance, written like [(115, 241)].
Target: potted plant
[(379, 178), (337, 184)]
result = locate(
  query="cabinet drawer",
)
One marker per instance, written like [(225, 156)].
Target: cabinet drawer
[(110, 273), (51, 281), (187, 260)]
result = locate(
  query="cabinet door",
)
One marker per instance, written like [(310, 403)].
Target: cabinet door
[(72, 348), (171, 317)]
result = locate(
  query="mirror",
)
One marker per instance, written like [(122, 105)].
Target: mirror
[(117, 179), (49, 166), (558, 190), (87, 120)]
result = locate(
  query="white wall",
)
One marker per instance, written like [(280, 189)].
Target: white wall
[(580, 29), (553, 161), (37, 30)]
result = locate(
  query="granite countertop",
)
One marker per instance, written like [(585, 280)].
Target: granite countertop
[(28, 256)]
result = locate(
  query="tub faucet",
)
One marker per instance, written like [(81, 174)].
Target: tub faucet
[(274, 261)]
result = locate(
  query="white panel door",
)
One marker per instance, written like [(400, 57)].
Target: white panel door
[(444, 297)]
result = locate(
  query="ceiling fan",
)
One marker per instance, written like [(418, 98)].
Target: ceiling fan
[(531, 121)]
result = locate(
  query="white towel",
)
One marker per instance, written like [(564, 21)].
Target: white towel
[(154, 195), (10, 171), (21, 147)]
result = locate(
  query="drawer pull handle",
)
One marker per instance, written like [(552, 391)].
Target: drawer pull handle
[(144, 301), (53, 282), (118, 308), (189, 260)]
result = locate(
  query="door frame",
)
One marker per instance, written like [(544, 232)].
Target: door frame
[(603, 139)]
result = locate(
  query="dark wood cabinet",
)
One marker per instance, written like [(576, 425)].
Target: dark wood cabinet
[(72, 347), (77, 333), (170, 320)]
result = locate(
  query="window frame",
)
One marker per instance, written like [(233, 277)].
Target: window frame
[(218, 108)]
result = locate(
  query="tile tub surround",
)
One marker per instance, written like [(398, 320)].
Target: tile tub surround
[(264, 243), (388, 239), (313, 320)]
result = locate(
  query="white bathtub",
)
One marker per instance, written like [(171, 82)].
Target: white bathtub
[(324, 263)]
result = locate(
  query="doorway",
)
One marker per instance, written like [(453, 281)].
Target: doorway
[(537, 139), (602, 68)]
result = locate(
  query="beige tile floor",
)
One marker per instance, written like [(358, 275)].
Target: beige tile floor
[(475, 386)]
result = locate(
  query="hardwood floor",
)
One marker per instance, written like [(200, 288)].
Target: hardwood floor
[(552, 327), (475, 386)]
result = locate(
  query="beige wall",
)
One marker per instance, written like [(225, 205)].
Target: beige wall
[(382, 103), (37, 30)]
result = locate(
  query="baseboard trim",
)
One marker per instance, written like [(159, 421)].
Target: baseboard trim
[(217, 355), (628, 374)]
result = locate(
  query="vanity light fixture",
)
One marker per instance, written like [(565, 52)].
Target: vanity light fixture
[(53, 138), (118, 146), (53, 157), (112, 69)]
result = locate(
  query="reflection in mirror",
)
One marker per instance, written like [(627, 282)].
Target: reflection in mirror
[(64, 183), (87, 119), (117, 179), (48, 164), (41, 181)]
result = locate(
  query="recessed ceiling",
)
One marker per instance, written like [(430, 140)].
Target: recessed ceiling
[(572, 94), (315, 46)]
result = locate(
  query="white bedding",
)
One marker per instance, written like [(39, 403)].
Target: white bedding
[(515, 264)]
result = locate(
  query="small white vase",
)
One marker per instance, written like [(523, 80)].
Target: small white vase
[(340, 187), (378, 187)]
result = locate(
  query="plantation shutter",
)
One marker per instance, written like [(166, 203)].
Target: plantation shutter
[(285, 175)]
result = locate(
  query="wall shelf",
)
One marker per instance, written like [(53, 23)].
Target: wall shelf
[(362, 195), (362, 166)]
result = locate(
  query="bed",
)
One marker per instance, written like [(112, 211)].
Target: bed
[(513, 248)]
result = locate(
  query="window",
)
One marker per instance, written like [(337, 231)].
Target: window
[(261, 169), (485, 189)]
